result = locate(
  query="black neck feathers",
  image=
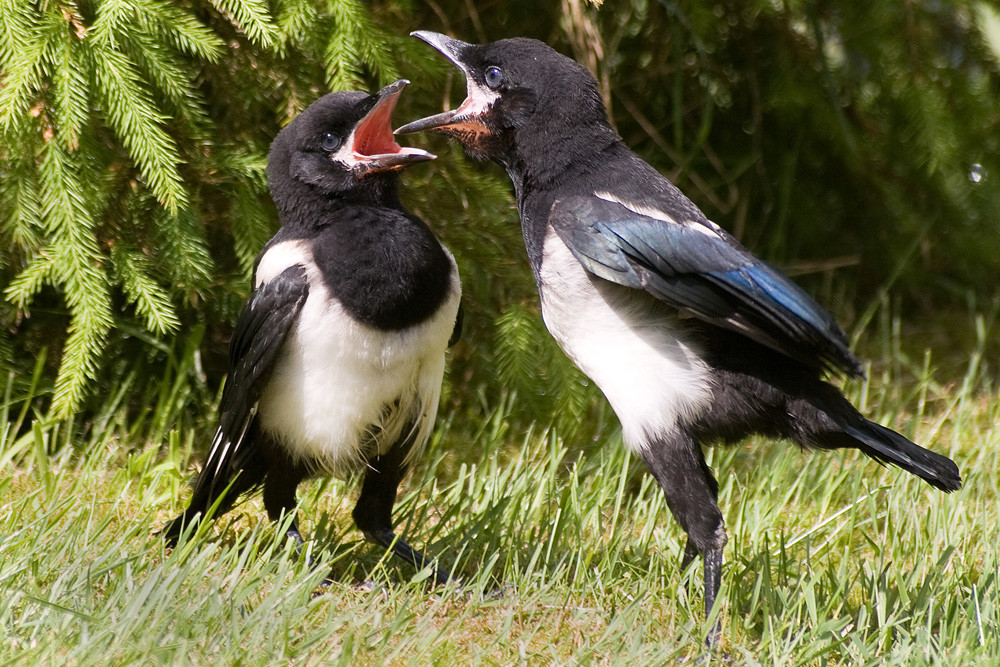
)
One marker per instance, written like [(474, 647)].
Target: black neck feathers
[(383, 264)]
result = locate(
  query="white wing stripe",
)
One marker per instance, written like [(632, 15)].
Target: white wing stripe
[(657, 214)]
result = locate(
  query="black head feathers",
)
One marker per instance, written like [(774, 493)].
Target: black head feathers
[(515, 89), (342, 146)]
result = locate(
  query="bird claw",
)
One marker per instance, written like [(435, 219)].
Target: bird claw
[(371, 586)]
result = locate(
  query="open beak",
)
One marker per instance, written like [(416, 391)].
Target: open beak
[(372, 145), (450, 47), (467, 118)]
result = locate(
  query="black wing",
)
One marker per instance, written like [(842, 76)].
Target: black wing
[(260, 332), (704, 272)]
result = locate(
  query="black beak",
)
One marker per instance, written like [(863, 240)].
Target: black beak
[(373, 147), (452, 50), (429, 123)]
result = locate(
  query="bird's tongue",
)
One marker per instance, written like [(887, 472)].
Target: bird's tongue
[(374, 135)]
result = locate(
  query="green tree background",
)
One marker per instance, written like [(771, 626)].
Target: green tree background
[(853, 144)]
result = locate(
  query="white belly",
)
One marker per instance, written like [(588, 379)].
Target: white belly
[(343, 391), (630, 344)]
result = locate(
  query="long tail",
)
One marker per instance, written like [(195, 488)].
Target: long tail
[(887, 446), (233, 468)]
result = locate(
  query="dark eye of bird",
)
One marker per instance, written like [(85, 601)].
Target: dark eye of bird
[(330, 142), (494, 77)]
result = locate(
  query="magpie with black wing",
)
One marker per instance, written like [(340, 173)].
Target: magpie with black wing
[(692, 339), (337, 359)]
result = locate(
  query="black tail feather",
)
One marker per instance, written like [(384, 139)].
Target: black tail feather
[(887, 446), (197, 509), (211, 502), (171, 533)]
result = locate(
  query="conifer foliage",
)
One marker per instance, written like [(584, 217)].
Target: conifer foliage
[(134, 137)]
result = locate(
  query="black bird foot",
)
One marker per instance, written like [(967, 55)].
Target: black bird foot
[(415, 557), (712, 638), (300, 546), (472, 593), (368, 586)]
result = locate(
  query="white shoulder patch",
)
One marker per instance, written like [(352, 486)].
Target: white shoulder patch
[(280, 257), (648, 211), (641, 209)]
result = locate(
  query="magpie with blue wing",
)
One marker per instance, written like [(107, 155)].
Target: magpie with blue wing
[(692, 339), (337, 359)]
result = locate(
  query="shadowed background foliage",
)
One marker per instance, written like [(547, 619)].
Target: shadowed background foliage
[(853, 144)]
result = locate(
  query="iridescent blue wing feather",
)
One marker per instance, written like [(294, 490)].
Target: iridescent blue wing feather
[(703, 272)]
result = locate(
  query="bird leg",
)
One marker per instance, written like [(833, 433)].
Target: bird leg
[(279, 500), (373, 512), (678, 464), (713, 581)]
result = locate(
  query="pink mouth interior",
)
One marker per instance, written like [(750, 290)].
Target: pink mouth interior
[(374, 135)]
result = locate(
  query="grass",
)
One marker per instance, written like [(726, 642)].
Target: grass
[(831, 560)]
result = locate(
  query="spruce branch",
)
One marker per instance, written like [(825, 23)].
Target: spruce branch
[(133, 116), (19, 205), (296, 20), (180, 30), (29, 281), (343, 48), (182, 252), (252, 17), (70, 101), (134, 271), (164, 70), (76, 267), (21, 60)]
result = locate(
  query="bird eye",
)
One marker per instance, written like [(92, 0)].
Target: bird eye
[(330, 142), (494, 77)]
